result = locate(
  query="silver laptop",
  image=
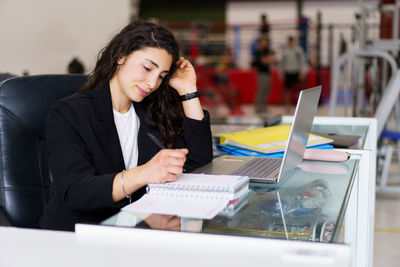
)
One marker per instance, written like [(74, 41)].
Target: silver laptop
[(273, 170)]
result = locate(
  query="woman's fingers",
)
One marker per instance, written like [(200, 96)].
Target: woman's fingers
[(178, 153), (180, 62), (172, 157), (161, 221), (170, 163), (169, 177), (175, 223)]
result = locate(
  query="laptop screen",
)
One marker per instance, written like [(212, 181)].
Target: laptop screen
[(301, 127)]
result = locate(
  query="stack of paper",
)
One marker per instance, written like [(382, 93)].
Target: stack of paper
[(235, 205)]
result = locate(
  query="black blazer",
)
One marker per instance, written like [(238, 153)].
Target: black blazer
[(84, 155)]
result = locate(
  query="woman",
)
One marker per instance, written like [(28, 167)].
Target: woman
[(97, 140)]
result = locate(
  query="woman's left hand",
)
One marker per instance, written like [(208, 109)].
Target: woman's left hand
[(183, 80)]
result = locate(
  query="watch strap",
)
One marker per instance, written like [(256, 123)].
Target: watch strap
[(190, 96)]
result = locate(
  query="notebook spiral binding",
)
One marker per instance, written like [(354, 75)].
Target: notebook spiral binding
[(191, 191)]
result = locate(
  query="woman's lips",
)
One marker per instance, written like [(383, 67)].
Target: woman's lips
[(142, 92)]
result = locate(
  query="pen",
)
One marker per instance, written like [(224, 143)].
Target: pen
[(158, 143), (155, 140)]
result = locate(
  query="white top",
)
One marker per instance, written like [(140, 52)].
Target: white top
[(128, 127)]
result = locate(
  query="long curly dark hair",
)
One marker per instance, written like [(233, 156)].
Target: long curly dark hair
[(164, 108)]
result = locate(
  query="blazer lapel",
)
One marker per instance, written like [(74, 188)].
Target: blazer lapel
[(106, 132)]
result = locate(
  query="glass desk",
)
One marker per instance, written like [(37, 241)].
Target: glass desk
[(336, 207), (308, 206)]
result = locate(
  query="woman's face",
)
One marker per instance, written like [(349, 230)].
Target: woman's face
[(141, 72)]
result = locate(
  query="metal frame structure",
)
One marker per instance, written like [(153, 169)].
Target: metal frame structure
[(384, 98)]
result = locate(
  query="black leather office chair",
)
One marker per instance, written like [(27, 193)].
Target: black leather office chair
[(24, 175)]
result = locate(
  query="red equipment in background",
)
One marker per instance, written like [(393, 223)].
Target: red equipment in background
[(234, 87)]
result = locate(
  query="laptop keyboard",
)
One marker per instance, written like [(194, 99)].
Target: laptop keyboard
[(258, 167)]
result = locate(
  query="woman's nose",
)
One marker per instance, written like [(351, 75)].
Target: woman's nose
[(152, 81)]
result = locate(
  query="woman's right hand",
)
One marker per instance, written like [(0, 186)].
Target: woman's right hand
[(163, 167)]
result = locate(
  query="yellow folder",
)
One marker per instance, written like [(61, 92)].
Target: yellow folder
[(267, 140)]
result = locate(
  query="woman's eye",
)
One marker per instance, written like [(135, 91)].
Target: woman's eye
[(146, 68)]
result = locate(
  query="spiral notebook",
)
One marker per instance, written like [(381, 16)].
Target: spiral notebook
[(192, 195)]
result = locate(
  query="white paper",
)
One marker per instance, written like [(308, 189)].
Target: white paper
[(182, 207)]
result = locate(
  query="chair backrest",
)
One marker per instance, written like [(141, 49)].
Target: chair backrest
[(24, 174)]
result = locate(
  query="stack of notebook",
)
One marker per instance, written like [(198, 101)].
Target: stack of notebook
[(193, 196), (235, 205)]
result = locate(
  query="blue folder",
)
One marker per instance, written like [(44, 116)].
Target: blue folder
[(237, 151)]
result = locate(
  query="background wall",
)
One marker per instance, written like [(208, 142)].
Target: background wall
[(183, 10), (42, 36)]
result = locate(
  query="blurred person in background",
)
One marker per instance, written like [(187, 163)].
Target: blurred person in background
[(227, 60), (263, 30), (293, 68), (264, 59), (345, 81)]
